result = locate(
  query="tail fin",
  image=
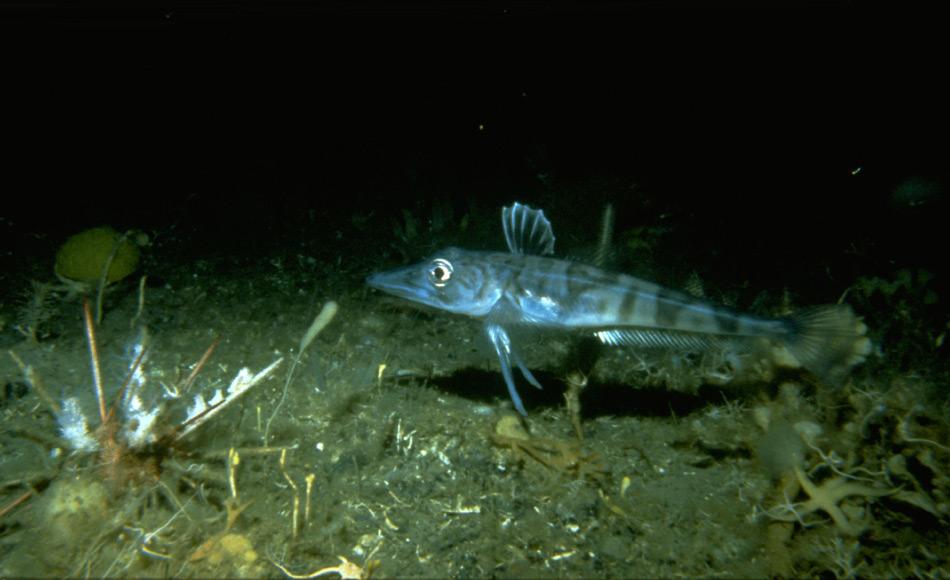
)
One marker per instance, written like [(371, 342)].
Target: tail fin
[(828, 341)]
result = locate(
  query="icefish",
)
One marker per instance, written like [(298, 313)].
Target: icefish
[(525, 287)]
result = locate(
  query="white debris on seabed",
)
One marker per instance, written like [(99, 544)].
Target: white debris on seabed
[(140, 422), (74, 428), (140, 413), (200, 412)]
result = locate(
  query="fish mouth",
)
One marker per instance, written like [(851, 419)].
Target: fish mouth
[(375, 281), (394, 283)]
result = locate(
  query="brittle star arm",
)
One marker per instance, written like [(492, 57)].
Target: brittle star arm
[(827, 496)]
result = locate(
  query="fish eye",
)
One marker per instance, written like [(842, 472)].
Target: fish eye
[(440, 272)]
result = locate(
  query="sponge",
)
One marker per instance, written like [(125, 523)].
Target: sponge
[(83, 256)]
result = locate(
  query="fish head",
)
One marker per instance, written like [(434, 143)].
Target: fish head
[(452, 279)]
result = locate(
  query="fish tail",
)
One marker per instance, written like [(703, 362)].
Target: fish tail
[(828, 341)]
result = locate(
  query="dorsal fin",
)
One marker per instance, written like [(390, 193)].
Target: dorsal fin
[(694, 285), (527, 231), (604, 248)]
